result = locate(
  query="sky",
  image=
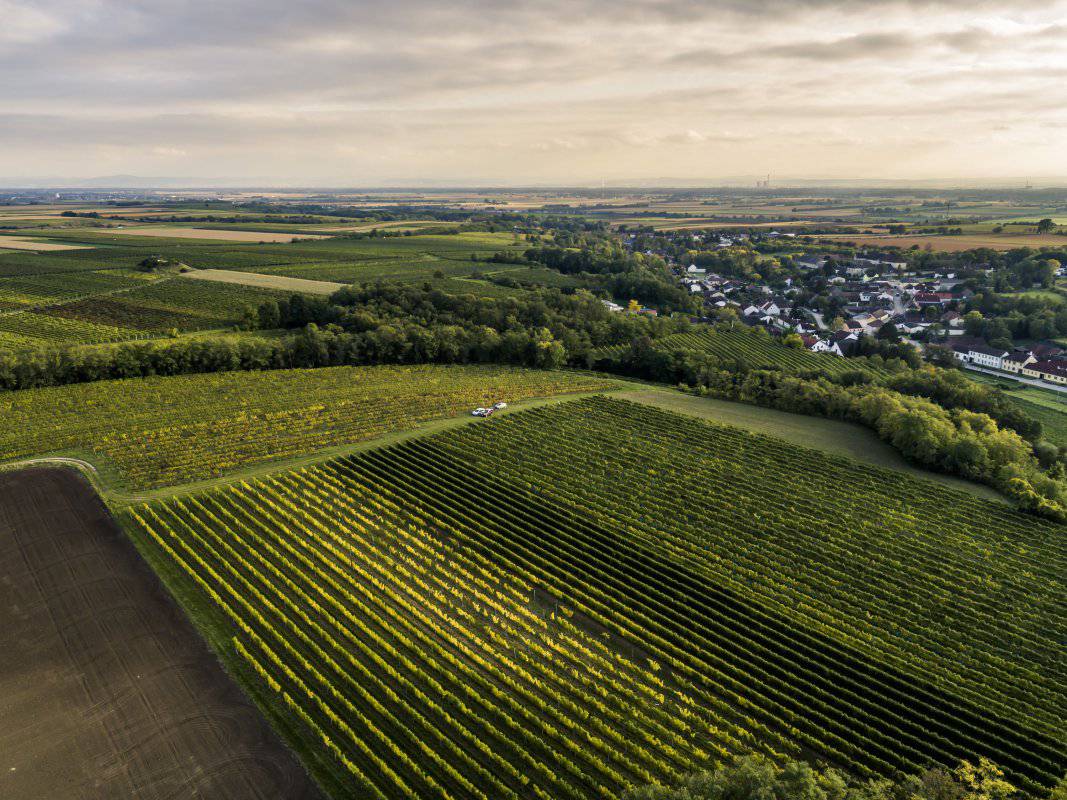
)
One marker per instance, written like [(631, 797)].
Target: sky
[(554, 92)]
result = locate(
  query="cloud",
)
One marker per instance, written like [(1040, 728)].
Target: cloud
[(417, 85)]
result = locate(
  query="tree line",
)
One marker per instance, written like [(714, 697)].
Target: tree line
[(935, 417), (756, 777)]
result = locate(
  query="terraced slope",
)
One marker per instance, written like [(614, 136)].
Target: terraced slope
[(570, 600)]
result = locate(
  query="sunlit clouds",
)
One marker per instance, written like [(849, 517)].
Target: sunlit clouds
[(337, 93)]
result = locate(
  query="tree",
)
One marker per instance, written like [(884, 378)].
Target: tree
[(757, 778), (752, 778), (888, 332), (152, 264), (633, 307), (269, 315), (973, 323), (1045, 225), (793, 340), (249, 318)]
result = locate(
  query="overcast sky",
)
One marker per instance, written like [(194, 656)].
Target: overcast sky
[(354, 92)]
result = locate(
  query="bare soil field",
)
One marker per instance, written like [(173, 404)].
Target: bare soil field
[(106, 690), (18, 243), (953, 244), (165, 232), (324, 288)]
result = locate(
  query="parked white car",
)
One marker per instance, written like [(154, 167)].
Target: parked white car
[(480, 412), (499, 406)]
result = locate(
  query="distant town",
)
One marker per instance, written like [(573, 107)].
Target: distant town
[(827, 301)]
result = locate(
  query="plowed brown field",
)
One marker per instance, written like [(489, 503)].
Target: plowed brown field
[(106, 690)]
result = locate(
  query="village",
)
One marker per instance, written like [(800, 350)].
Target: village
[(832, 300)]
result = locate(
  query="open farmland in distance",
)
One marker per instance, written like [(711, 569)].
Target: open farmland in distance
[(106, 689), (952, 244), (222, 235), (43, 246), (517, 608)]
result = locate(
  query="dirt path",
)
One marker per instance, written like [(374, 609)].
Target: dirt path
[(106, 690)]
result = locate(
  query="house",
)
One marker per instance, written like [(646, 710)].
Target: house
[(910, 323), (1051, 371), (824, 346), (844, 343), (924, 299), (1046, 352), (952, 319), (868, 263), (985, 356), (1016, 361), (810, 262), (694, 270), (612, 306)]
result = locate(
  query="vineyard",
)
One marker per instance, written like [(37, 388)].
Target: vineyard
[(1047, 407), (748, 347), (30, 329), (519, 609), (38, 290), (174, 430), (160, 306)]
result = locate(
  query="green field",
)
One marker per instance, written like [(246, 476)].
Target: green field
[(96, 295), (175, 430), (831, 436), (1051, 412), (575, 599), (1047, 406)]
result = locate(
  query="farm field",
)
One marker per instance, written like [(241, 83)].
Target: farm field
[(219, 234), (174, 303), (22, 243), (49, 288), (953, 244), (97, 295), (517, 609), (175, 430), (1046, 406), (106, 689), (755, 350), (416, 257), (1052, 416), (23, 330), (276, 282)]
